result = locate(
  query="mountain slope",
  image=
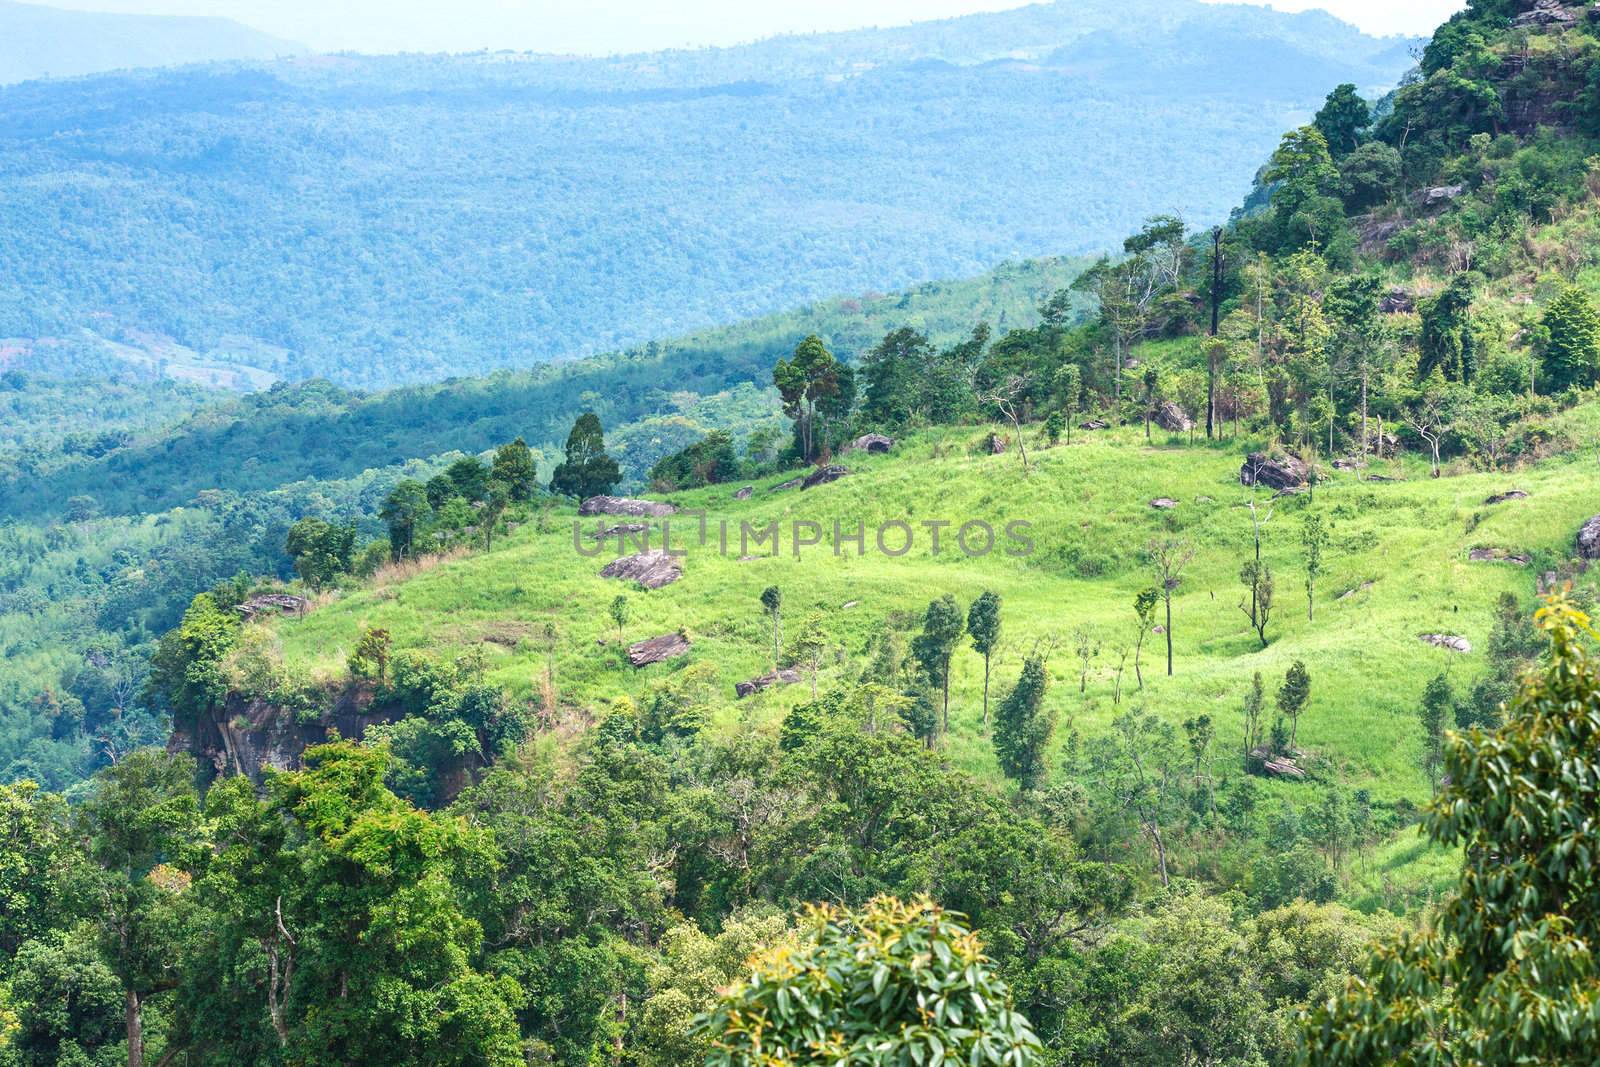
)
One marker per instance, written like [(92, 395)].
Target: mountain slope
[(44, 42), (380, 220)]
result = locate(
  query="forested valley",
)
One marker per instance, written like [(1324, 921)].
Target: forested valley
[(1262, 727)]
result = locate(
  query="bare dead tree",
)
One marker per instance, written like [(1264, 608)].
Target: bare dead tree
[(1007, 399)]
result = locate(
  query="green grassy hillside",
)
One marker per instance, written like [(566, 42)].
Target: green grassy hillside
[(1088, 503)]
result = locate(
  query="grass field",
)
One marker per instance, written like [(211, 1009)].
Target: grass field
[(1088, 506)]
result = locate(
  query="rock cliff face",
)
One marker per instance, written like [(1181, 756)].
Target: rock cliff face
[(250, 737)]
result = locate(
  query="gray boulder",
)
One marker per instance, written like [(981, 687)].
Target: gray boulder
[(1589, 539), (1449, 642), (652, 569), (832, 472), (1172, 418), (1273, 472), (657, 649), (872, 442), (621, 505), (744, 494), (1510, 494), (786, 676)]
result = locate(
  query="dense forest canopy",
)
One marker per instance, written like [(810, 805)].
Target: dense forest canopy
[(377, 220)]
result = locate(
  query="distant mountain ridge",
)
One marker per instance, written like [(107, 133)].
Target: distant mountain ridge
[(37, 41), (379, 220)]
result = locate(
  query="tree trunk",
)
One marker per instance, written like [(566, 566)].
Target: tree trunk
[(133, 1015), (986, 690), (1169, 633), (1362, 474)]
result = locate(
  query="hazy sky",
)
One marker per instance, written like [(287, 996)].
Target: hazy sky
[(604, 26)]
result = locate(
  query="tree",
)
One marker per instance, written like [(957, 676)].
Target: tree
[(142, 815), (494, 506), (1312, 538), (1429, 417), (1254, 701), (1069, 382), (1505, 971), (935, 645), (983, 626), (1572, 351), (891, 983), (772, 603), (470, 477), (810, 648), (371, 657), (515, 469), (803, 382), (1437, 701), (1087, 648), (1144, 609), (321, 551), (1293, 695), (1137, 767), (588, 470), (1170, 556), (1257, 578), (1023, 727), (1007, 398), (186, 675), (404, 509), (1446, 343), (619, 614), (1343, 117)]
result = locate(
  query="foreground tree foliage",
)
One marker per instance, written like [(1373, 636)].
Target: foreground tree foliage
[(892, 983), (1506, 972)]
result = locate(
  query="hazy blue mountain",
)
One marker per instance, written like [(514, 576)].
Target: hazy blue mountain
[(45, 42), (392, 219)]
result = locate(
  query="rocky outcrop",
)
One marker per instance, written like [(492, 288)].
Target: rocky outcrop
[(652, 569), (1276, 765), (995, 444), (658, 649), (1510, 494), (1274, 472), (1450, 642), (872, 442), (1589, 539), (1438, 196), (1172, 418), (1546, 13), (269, 604), (744, 493), (786, 676), (831, 472), (621, 505), (792, 483), (1499, 555), (1094, 424), (251, 737), (1163, 503), (622, 529), (1397, 302)]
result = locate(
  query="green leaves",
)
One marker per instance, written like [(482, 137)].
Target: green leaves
[(898, 984)]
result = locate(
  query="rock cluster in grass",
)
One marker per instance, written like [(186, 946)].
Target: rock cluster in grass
[(744, 493), (621, 505), (657, 649), (792, 483), (1274, 472), (1509, 494), (786, 676), (1589, 539), (652, 569), (831, 472), (1450, 642), (1170, 417), (872, 442), (1163, 503), (272, 604), (1499, 555), (1276, 764)]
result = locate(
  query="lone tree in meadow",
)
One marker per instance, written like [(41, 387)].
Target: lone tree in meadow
[(619, 613), (1257, 577), (1293, 696), (892, 983), (1505, 972), (804, 383), (515, 469), (1023, 727), (1170, 555), (1313, 536), (1254, 701), (588, 470), (404, 509), (983, 625), (1438, 703), (1144, 608), (935, 645), (772, 604)]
